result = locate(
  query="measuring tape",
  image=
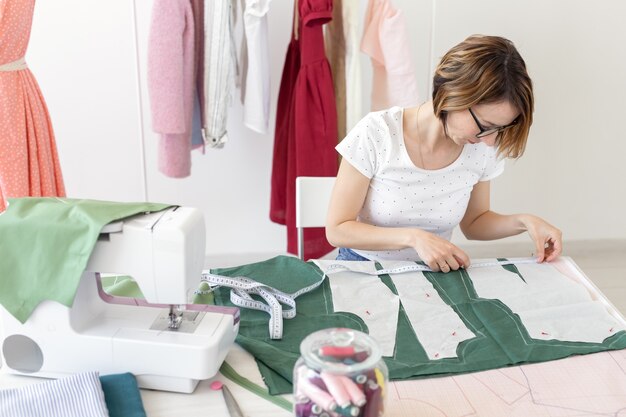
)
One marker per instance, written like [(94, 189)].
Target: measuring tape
[(243, 287), (346, 266)]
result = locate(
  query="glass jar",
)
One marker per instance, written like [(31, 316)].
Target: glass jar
[(340, 373)]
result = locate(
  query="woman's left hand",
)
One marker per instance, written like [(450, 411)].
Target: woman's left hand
[(547, 238)]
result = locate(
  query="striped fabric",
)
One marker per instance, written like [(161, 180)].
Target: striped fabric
[(219, 62), (79, 395)]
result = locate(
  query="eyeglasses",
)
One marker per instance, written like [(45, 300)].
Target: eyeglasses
[(484, 131)]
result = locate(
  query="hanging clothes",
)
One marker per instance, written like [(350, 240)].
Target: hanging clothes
[(197, 138), (171, 72), (336, 53), (255, 66), (219, 69), (354, 99), (29, 162), (282, 133), (306, 123), (385, 40)]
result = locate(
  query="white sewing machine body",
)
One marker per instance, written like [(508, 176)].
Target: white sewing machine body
[(164, 253)]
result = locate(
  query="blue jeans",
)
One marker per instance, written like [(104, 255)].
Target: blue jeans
[(346, 254)]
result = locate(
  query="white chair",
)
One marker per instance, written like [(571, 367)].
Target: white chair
[(312, 200)]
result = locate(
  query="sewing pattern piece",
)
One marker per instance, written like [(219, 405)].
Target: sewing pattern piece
[(587, 385), (371, 300), (549, 304), (350, 288), (437, 326)]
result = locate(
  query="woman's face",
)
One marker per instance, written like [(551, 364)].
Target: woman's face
[(463, 126)]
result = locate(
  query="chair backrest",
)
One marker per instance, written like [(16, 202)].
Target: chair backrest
[(312, 199)]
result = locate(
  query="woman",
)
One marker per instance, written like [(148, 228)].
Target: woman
[(409, 176)]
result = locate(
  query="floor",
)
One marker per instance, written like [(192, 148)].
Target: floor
[(602, 261)]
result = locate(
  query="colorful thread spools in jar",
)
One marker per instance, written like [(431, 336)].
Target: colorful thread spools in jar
[(340, 373)]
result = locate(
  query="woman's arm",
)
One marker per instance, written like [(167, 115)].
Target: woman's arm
[(480, 223), (342, 229)]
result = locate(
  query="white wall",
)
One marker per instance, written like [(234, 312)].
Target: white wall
[(572, 172), (89, 57), (83, 56)]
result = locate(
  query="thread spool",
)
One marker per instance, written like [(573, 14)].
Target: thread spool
[(340, 373)]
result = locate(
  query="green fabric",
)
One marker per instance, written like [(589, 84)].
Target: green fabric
[(121, 285), (505, 341), (45, 244), (122, 395), (230, 373), (511, 268), (125, 286), (276, 358)]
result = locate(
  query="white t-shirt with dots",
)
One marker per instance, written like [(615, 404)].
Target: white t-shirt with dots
[(403, 195)]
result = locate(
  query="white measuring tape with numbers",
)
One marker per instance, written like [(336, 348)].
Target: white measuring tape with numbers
[(345, 266), (242, 287)]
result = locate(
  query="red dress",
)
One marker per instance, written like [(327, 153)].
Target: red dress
[(306, 124)]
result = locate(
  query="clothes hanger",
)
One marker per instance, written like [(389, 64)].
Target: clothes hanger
[(296, 25)]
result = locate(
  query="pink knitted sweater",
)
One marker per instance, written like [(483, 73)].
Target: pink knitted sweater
[(171, 83)]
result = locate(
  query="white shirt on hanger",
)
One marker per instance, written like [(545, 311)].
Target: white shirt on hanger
[(354, 98), (255, 64), (219, 69)]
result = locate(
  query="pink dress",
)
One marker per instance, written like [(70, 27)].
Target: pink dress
[(29, 163)]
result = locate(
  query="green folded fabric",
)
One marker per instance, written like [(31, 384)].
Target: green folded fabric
[(45, 244), (122, 395), (122, 286)]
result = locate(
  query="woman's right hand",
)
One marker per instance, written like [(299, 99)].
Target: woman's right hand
[(438, 253)]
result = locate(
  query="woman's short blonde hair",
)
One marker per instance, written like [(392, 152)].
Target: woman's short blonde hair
[(486, 69)]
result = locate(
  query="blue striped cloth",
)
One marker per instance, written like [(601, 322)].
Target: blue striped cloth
[(78, 395)]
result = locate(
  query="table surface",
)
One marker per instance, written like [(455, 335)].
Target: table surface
[(203, 401), (584, 385)]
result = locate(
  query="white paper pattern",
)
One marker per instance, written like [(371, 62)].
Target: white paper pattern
[(549, 304), (437, 326), (370, 299)]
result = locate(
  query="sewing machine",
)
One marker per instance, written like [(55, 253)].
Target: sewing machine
[(169, 348)]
